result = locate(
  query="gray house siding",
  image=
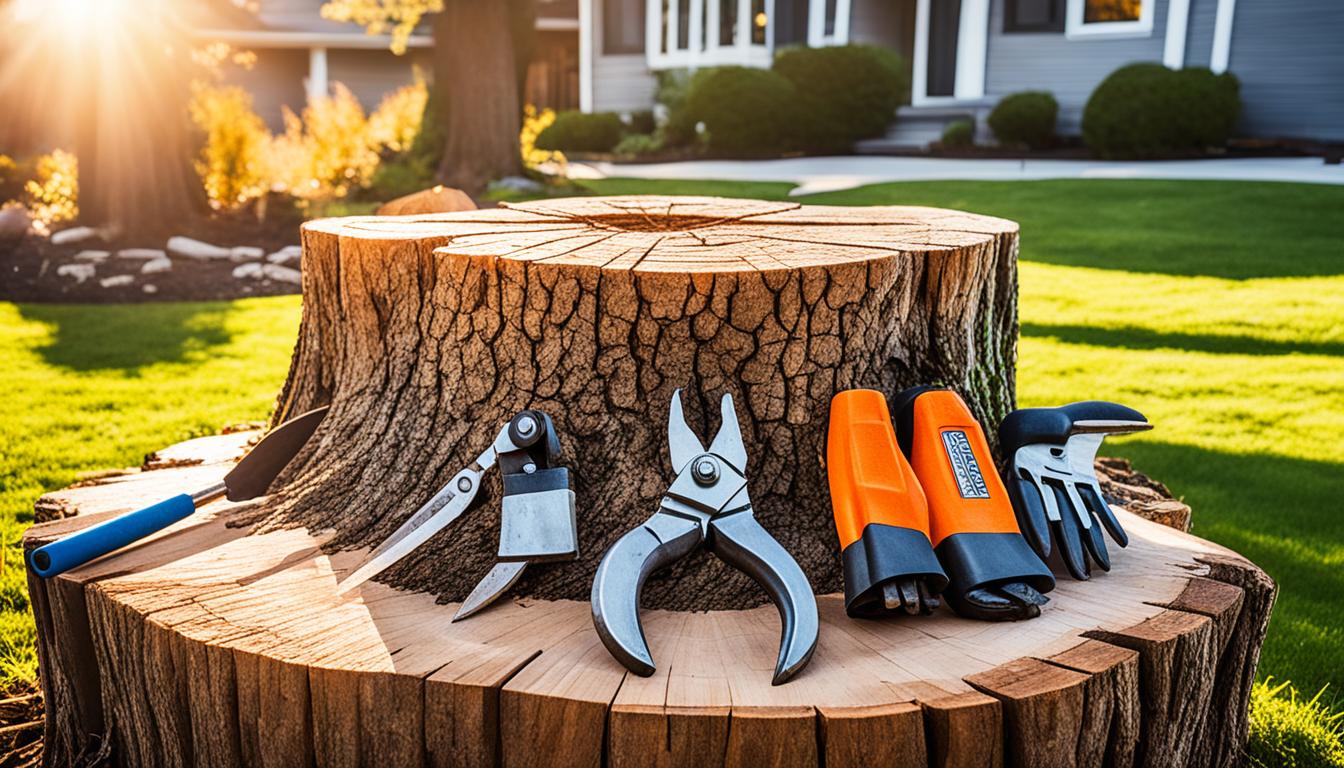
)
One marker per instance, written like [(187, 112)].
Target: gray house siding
[(1070, 69), (1291, 67), (621, 82), (1199, 32), (372, 74), (275, 81)]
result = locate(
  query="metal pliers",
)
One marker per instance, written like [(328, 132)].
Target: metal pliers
[(707, 504)]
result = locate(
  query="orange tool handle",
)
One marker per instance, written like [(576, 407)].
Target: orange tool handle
[(871, 482), (951, 458)]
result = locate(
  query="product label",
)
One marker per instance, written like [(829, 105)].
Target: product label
[(961, 458)]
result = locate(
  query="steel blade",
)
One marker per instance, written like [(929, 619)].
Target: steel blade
[(445, 507), (682, 443), (495, 583)]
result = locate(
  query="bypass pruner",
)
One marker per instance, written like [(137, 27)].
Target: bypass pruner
[(536, 512), (706, 504)]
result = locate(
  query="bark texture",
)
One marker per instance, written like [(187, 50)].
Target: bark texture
[(426, 334), (218, 645)]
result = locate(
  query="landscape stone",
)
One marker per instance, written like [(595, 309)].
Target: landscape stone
[(141, 254), (150, 288), (286, 255), (80, 272), (161, 264), (195, 249), (14, 223), (438, 199), (73, 235), (246, 253), (282, 274), (251, 269), (97, 257), (116, 281)]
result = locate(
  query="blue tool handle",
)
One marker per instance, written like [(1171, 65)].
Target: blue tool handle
[(79, 548)]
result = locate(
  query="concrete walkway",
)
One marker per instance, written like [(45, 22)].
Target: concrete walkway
[(826, 174)]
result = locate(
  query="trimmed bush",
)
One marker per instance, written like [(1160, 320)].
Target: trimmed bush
[(1025, 119), (959, 134), (745, 111), (1147, 110), (641, 122), (673, 87), (845, 93), (636, 144), (582, 132)]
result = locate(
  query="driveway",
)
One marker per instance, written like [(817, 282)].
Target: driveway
[(827, 174)]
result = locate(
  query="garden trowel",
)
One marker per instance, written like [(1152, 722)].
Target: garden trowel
[(250, 479)]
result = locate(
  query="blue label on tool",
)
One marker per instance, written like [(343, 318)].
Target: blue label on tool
[(965, 468)]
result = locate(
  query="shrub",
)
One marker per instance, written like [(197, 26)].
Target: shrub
[(745, 111), (1147, 110), (845, 93), (581, 132), (635, 144), (234, 155), (534, 124), (1025, 119), (394, 125), (678, 130), (326, 154), (641, 121), (959, 134), (53, 191), (1291, 733)]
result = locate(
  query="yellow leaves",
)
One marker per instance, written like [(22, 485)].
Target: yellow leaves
[(534, 122), (330, 148), (233, 164), (379, 17), (53, 192), (396, 122)]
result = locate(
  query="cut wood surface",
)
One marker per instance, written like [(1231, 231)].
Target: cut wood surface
[(213, 644)]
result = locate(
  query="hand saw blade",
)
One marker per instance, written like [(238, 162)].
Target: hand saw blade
[(445, 507)]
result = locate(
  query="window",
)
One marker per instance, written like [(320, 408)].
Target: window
[(1109, 18), (1033, 16), (709, 33), (622, 26)]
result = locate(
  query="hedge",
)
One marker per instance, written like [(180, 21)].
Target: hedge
[(582, 132), (1147, 110), (845, 93), (1025, 119), (745, 111)]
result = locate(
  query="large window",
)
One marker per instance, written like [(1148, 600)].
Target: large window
[(1033, 16), (1109, 18), (623, 26), (704, 33)]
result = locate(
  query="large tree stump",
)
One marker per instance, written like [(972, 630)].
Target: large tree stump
[(222, 641)]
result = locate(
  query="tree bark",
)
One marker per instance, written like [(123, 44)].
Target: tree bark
[(475, 75)]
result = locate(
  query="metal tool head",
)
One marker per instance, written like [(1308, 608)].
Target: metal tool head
[(707, 503), (253, 475)]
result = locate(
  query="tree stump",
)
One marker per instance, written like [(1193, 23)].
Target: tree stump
[(221, 641)]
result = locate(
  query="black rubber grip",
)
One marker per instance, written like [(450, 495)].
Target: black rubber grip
[(880, 554), (1029, 426)]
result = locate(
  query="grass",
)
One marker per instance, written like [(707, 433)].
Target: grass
[(1215, 308)]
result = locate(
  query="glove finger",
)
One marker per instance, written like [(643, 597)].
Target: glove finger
[(1093, 539), (990, 604), (1024, 593), (1069, 537), (1103, 512), (1030, 509)]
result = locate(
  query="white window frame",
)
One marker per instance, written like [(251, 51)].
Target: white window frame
[(742, 52), (816, 24), (1076, 29), (972, 55)]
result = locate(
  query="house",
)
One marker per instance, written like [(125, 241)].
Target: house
[(299, 54), (967, 54)]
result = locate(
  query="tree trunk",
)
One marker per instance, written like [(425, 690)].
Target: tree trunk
[(475, 74), (438, 330)]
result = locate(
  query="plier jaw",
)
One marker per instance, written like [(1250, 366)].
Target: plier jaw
[(706, 504)]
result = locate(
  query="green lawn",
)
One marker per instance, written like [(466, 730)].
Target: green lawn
[(1217, 309)]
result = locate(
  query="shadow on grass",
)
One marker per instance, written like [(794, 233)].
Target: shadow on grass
[(128, 337), (1284, 515), (1129, 337)]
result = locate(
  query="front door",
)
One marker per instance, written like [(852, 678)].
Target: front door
[(950, 45)]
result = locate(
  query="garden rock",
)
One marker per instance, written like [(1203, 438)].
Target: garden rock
[(150, 288), (14, 223), (250, 270), (195, 249), (73, 235), (95, 257), (286, 255), (282, 274), (154, 266), (438, 199), (116, 281), (141, 254), (80, 272), (516, 184), (246, 253)]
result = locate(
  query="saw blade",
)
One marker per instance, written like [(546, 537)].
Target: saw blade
[(445, 507)]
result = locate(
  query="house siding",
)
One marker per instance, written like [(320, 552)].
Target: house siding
[(1199, 32), (1070, 69), (372, 74), (275, 82), (1291, 67), (621, 82)]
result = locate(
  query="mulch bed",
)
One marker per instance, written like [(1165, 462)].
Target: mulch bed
[(29, 268)]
